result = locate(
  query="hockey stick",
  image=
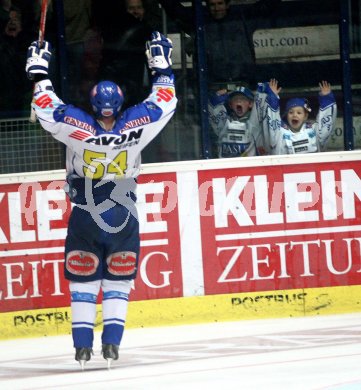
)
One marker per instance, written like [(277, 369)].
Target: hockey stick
[(44, 8)]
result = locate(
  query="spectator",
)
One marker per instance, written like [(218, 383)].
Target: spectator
[(135, 8), (294, 132), (125, 27), (5, 7), (13, 27), (78, 23), (235, 123), (146, 11), (13, 46), (93, 46), (27, 17), (229, 30)]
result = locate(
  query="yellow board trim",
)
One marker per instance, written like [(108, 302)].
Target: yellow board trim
[(191, 310)]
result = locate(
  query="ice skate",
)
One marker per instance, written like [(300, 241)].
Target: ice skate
[(82, 355), (110, 353)]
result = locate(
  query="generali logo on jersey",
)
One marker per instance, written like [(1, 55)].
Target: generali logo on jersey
[(281, 227)]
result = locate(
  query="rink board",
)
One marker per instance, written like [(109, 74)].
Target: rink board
[(191, 310), (253, 237)]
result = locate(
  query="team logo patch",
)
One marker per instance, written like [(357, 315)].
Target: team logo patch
[(81, 263), (44, 101), (79, 135), (165, 95), (122, 263)]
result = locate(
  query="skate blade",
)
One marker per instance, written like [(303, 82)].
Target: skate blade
[(82, 364), (109, 362)]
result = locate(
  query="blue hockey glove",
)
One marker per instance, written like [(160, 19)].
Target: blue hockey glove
[(38, 59), (159, 52)]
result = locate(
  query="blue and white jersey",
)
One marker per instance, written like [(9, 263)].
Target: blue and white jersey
[(95, 153), (311, 138), (237, 137)]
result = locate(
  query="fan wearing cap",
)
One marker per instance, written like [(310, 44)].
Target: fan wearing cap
[(294, 132), (297, 110), (235, 123)]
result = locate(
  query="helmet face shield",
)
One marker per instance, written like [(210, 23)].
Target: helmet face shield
[(106, 99)]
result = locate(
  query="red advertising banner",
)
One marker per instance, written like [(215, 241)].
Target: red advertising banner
[(281, 227), (32, 235), (160, 272), (33, 227)]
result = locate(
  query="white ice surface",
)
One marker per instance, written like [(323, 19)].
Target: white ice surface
[(294, 354)]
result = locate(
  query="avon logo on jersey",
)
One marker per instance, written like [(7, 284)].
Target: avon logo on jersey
[(44, 101), (120, 139)]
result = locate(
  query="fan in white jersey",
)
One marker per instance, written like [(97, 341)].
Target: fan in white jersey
[(294, 132), (233, 119)]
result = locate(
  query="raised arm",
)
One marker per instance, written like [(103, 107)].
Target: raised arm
[(161, 103), (217, 110), (45, 101), (327, 114), (325, 87), (159, 55), (268, 107)]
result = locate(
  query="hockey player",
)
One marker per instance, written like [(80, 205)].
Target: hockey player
[(102, 165), (294, 133), (235, 122)]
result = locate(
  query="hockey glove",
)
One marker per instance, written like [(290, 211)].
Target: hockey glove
[(159, 52), (38, 58)]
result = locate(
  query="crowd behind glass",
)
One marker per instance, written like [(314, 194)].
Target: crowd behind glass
[(104, 40)]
